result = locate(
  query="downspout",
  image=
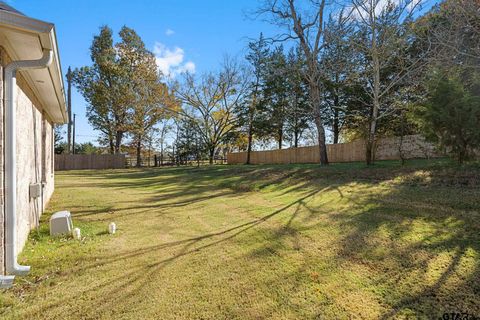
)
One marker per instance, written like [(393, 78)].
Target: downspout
[(11, 264)]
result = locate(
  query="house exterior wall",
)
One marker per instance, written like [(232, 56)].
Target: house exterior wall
[(32, 165), (34, 160), (2, 173)]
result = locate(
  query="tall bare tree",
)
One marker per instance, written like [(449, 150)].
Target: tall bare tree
[(452, 28), (210, 101), (303, 22), (383, 38)]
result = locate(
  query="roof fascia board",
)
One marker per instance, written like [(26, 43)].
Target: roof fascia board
[(48, 40), (17, 21)]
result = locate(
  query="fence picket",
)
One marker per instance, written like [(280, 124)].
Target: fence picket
[(92, 161), (414, 146)]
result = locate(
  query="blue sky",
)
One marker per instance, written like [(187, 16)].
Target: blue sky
[(184, 34)]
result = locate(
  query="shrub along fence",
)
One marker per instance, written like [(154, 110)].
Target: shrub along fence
[(89, 161), (393, 148)]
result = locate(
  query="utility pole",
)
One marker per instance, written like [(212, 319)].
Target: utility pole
[(73, 138), (69, 109)]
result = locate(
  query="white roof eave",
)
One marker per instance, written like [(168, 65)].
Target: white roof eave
[(46, 34)]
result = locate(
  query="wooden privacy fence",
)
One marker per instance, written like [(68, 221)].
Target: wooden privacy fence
[(89, 161), (413, 146)]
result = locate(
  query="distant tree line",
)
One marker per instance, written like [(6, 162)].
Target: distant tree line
[(340, 71), (60, 145)]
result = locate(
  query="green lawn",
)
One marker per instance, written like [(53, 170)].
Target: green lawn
[(258, 242)]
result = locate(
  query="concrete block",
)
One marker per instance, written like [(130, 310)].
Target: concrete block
[(61, 223)]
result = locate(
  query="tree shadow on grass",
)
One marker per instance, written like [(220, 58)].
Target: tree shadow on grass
[(154, 203), (157, 192), (137, 278), (224, 235), (356, 243), (402, 239)]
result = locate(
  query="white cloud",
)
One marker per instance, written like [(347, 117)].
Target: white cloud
[(169, 32), (364, 7), (189, 67), (378, 6), (415, 3), (171, 61)]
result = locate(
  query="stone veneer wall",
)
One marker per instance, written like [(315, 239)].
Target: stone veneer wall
[(410, 147), (34, 160), (2, 175)]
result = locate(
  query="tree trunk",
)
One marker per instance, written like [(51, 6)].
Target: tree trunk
[(400, 145), (69, 110), (118, 141), (250, 139), (376, 100), (149, 157), (400, 151), (461, 156), (369, 151), (322, 146), (372, 135), (139, 154), (336, 126), (111, 145), (295, 138), (463, 152), (161, 155), (197, 155), (371, 138), (280, 138), (174, 154), (336, 105), (211, 155)]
